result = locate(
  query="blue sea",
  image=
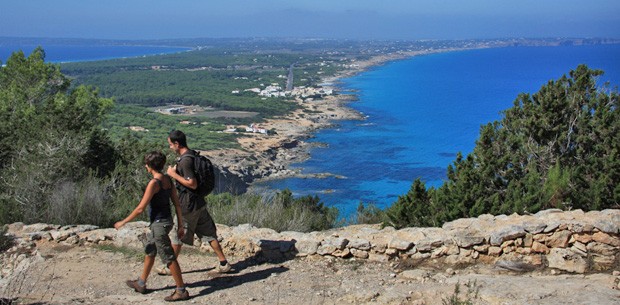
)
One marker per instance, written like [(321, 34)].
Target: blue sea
[(422, 111), (73, 53)]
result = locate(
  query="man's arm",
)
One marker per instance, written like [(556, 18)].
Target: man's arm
[(185, 181)]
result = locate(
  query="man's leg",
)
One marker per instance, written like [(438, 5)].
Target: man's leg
[(218, 250), (175, 269), (207, 231)]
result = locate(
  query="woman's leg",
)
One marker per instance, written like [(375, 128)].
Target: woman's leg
[(148, 265)]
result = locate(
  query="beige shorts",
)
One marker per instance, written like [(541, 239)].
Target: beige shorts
[(198, 222)]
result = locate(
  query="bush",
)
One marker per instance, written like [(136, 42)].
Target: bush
[(280, 212), (79, 202), (470, 295), (370, 214), (6, 241)]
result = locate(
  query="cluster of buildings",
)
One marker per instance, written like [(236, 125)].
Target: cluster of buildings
[(253, 128), (274, 90), (179, 110)]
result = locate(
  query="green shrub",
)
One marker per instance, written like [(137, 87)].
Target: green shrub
[(470, 295), (6, 241), (369, 214), (280, 212)]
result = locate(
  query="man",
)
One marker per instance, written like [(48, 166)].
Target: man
[(196, 218)]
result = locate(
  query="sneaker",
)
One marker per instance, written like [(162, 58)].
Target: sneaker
[(134, 284), (163, 270), (177, 296), (222, 269)]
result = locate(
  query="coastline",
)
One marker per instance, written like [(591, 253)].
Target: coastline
[(269, 157)]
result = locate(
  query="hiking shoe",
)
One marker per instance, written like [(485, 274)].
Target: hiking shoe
[(177, 296), (134, 284), (163, 271), (222, 269)]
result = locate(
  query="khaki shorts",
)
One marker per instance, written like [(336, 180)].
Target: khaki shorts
[(198, 222), (158, 241)]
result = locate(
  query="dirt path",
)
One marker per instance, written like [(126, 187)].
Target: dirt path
[(85, 275)]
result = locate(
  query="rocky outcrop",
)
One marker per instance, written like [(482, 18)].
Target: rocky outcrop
[(236, 172), (573, 241)]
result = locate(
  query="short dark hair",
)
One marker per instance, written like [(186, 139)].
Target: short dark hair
[(179, 137), (155, 160)]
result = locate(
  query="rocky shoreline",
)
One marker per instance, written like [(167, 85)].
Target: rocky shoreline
[(266, 157)]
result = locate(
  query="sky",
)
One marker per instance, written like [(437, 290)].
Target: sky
[(341, 19)]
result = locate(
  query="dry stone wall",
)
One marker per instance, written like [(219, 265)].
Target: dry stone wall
[(572, 241)]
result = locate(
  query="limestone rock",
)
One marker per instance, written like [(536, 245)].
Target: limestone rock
[(359, 253), (494, 251), (567, 260), (603, 262), (559, 239), (507, 233), (428, 244), (539, 248), (360, 244), (602, 249), (306, 247), (606, 239), (401, 245), (466, 241)]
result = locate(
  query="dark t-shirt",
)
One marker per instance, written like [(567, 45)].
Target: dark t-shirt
[(190, 201)]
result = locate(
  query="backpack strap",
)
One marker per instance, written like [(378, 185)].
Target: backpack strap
[(188, 155), (181, 187)]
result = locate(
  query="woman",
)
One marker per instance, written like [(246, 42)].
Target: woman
[(157, 197)]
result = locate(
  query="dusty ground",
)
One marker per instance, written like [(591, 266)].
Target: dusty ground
[(85, 275)]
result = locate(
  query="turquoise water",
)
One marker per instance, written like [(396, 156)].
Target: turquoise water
[(422, 111), (66, 53)]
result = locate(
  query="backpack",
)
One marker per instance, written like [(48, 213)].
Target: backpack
[(205, 174)]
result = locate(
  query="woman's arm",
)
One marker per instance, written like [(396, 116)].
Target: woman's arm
[(151, 189)]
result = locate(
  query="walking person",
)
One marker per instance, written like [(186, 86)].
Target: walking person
[(159, 191), (196, 217)]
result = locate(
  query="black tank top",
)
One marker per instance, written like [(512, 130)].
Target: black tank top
[(159, 207)]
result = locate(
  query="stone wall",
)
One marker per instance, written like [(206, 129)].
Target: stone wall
[(573, 241)]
